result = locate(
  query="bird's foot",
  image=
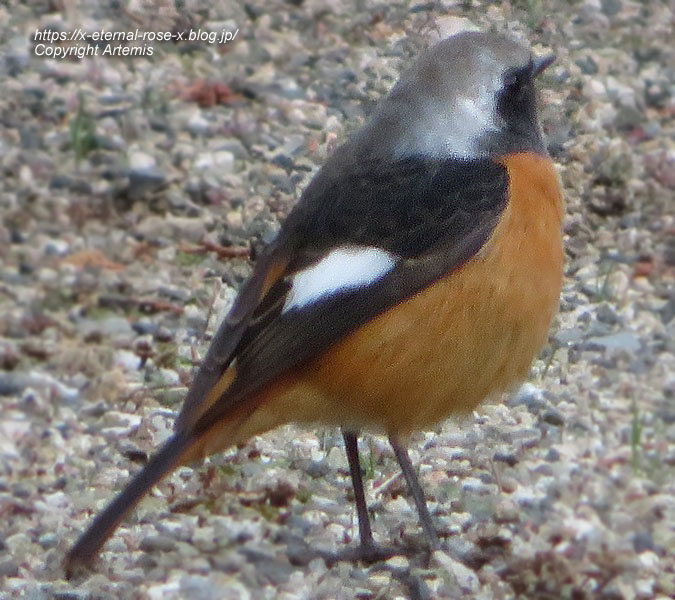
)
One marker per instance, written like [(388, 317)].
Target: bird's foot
[(367, 553)]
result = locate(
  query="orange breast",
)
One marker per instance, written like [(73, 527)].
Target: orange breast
[(470, 335)]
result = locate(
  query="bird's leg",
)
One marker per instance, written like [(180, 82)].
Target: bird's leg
[(416, 491), (352, 449), (367, 551)]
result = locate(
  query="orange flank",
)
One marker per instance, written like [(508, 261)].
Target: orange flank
[(469, 336)]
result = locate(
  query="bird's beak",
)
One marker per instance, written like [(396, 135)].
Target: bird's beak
[(542, 63)]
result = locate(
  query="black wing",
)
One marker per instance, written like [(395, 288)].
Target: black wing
[(435, 215)]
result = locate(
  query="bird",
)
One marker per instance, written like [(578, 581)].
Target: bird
[(417, 275)]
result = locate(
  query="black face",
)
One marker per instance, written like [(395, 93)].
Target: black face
[(517, 106)]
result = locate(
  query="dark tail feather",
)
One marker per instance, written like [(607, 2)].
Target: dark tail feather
[(90, 542)]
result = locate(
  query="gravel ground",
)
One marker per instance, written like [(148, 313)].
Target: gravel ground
[(135, 190)]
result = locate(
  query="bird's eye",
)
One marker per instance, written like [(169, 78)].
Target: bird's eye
[(516, 79), (511, 81), (516, 82)]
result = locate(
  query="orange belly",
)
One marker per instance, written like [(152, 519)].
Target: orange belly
[(470, 335)]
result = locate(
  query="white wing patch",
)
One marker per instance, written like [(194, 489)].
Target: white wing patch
[(342, 269)]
